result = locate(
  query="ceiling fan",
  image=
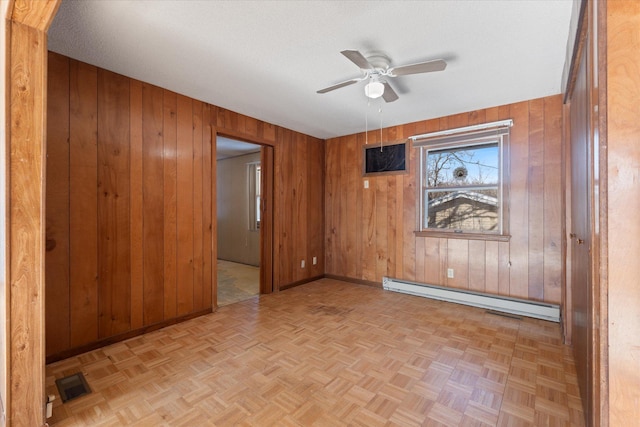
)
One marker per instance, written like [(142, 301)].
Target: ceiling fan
[(375, 69)]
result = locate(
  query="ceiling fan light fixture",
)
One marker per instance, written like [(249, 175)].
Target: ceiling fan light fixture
[(374, 89)]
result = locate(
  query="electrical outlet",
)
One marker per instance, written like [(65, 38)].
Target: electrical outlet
[(450, 273), (302, 264), (315, 260), (366, 183)]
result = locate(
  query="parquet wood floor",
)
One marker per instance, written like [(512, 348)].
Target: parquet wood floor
[(330, 353)]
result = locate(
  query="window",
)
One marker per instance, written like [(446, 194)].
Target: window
[(258, 177), (253, 190), (462, 182)]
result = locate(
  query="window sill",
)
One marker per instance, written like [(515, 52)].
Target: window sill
[(466, 236)]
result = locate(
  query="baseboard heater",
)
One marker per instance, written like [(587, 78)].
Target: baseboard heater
[(538, 310)]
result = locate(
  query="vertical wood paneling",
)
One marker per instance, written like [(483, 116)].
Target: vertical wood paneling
[(399, 231), (519, 201), (444, 259), (477, 265), (478, 117), (359, 194), (491, 267), (285, 247), (184, 214), (170, 133), (330, 189), (535, 192), (83, 202), (424, 261), (368, 223), (429, 260), (381, 228), (153, 204), (391, 220), (385, 233), (137, 200), (458, 260), (504, 269), (491, 114), (301, 205), (552, 221), (315, 190), (277, 195), (197, 231), (342, 235), (409, 216), (350, 210), (114, 263), (140, 197), (57, 207), (207, 211)]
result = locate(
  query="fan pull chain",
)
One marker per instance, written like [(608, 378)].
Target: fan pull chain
[(380, 111), (366, 123)]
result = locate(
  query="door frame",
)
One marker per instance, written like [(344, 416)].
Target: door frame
[(266, 207), (22, 384)]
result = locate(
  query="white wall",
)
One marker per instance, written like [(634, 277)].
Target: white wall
[(235, 241), (4, 5)]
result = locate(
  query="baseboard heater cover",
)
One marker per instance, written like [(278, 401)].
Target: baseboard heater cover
[(521, 307)]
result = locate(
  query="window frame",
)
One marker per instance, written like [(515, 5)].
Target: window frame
[(254, 189), (460, 139)]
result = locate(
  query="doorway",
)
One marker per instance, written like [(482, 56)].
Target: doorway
[(239, 202)]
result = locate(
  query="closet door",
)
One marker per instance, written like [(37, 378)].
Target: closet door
[(580, 234)]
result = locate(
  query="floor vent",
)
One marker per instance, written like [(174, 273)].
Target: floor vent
[(72, 387), (518, 307)]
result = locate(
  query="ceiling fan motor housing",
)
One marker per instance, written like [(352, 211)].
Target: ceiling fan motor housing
[(379, 61)]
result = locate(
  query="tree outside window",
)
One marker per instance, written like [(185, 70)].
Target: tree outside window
[(462, 184)]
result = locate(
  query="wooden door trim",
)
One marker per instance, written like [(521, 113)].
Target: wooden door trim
[(266, 227), (26, 68)]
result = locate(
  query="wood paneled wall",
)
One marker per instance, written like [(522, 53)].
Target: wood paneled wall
[(370, 232), (128, 205), (130, 184), (299, 208), (298, 194)]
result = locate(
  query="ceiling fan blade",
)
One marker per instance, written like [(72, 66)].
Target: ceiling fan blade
[(338, 86), (389, 95), (421, 67), (357, 58)]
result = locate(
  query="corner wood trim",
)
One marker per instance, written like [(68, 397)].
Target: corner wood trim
[(301, 282), (356, 281)]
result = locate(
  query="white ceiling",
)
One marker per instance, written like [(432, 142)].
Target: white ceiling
[(227, 148), (267, 59)]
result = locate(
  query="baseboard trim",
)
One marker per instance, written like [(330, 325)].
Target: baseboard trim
[(301, 282), (65, 354), (356, 281)]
